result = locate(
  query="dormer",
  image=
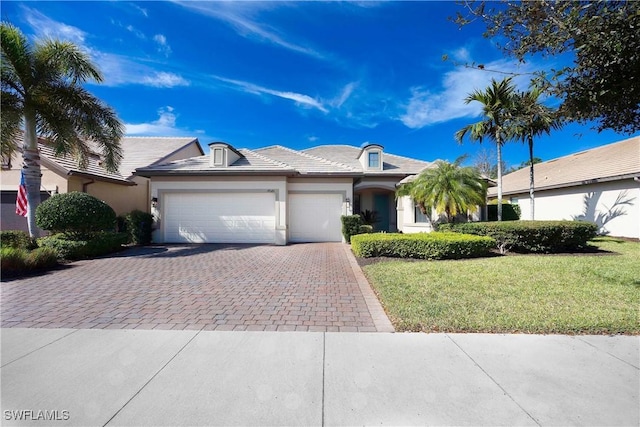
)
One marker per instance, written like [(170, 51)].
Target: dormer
[(222, 155), (371, 157)]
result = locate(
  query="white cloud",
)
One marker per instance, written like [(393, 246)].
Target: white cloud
[(428, 106), (143, 11), (45, 27), (163, 46), (117, 69), (237, 14), (344, 95), (165, 125), (164, 79), (313, 138), (139, 34), (302, 100), (121, 70)]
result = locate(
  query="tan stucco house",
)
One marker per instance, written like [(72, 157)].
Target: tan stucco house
[(601, 185), (123, 190), (275, 194)]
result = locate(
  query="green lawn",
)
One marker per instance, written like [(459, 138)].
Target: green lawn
[(563, 294)]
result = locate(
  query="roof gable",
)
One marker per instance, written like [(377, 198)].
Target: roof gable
[(607, 162), (336, 160), (142, 151)]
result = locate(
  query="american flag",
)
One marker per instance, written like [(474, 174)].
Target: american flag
[(21, 200)]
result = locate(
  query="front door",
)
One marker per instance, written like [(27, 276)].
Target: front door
[(381, 206)]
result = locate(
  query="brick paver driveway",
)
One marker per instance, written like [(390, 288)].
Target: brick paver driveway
[(307, 287)]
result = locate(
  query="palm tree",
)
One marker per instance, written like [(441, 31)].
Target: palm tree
[(448, 188), (497, 105), (532, 119), (42, 93)]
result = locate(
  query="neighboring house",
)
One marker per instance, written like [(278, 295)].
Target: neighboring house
[(274, 194), (123, 191), (600, 185)]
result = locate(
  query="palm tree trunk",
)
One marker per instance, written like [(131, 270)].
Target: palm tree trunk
[(31, 170), (499, 150), (531, 181)]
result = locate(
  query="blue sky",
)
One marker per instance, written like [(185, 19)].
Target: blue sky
[(299, 74)]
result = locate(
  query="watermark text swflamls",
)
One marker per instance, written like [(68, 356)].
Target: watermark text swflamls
[(36, 415)]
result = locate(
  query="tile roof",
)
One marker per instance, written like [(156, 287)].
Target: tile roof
[(304, 163), (70, 165), (608, 162), (348, 156), (137, 152), (251, 162), (142, 151), (322, 160)]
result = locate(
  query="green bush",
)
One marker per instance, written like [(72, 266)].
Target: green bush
[(17, 239), (365, 229), (509, 212), (78, 214), (532, 236), (17, 260), (99, 244), (41, 258), (139, 226), (434, 245), (12, 259), (350, 226)]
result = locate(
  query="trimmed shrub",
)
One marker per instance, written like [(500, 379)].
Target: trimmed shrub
[(17, 239), (509, 212), (77, 214), (41, 258), (139, 226), (365, 229), (532, 236), (350, 226), (434, 245), (12, 260), (17, 260), (69, 249)]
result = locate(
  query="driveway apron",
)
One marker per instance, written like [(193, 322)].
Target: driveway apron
[(303, 287)]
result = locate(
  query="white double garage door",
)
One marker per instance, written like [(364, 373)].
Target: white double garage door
[(249, 217)]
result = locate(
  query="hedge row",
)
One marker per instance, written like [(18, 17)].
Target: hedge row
[(17, 239), (531, 236), (17, 260), (67, 248), (435, 245)]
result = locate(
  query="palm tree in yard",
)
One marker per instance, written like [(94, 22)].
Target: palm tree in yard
[(531, 120), (43, 93), (448, 188), (497, 106)]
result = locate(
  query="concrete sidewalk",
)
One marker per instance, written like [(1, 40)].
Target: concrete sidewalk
[(142, 377)]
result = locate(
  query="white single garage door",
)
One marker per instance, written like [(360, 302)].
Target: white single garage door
[(219, 217), (315, 217)]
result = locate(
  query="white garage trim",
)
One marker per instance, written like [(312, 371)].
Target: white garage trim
[(314, 216), (219, 216)]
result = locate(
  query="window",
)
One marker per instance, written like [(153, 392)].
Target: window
[(218, 157), (419, 216), (374, 160)]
